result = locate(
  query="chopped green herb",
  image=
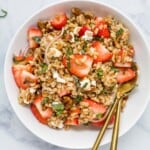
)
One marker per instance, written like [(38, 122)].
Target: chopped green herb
[(99, 73), (78, 98), (4, 13), (44, 67), (45, 100), (99, 39), (83, 50), (119, 32), (98, 116), (37, 39), (134, 66), (68, 62), (77, 81), (76, 38), (69, 52), (84, 86), (114, 69), (58, 108)]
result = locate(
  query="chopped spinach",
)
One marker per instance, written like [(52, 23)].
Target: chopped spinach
[(99, 73), (78, 98), (119, 32), (45, 100), (44, 68), (58, 108), (37, 39), (98, 116)]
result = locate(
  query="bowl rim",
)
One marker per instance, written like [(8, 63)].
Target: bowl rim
[(51, 4)]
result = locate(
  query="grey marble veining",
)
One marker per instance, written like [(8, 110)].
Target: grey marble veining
[(13, 135)]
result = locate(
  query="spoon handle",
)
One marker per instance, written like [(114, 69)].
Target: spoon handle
[(102, 131), (114, 140)]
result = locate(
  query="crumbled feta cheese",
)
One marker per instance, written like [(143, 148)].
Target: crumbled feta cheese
[(85, 83), (72, 37), (76, 30), (57, 77), (55, 52), (32, 90), (93, 82), (88, 35)]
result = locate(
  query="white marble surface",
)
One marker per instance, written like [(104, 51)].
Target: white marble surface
[(13, 135)]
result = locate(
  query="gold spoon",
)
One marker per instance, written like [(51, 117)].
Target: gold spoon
[(124, 88)]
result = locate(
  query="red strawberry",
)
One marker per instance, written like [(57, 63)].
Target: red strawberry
[(32, 33), (96, 107), (125, 75), (59, 21), (72, 122), (123, 65), (82, 30), (80, 65), (101, 123), (102, 53), (39, 113), (21, 75), (104, 33)]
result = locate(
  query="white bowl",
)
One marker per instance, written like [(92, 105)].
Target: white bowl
[(81, 138)]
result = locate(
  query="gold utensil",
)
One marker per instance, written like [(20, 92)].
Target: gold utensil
[(124, 88), (114, 140)]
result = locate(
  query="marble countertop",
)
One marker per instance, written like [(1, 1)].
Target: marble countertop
[(13, 134)]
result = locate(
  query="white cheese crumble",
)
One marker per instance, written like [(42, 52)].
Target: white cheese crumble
[(85, 83), (57, 77), (88, 35), (55, 52), (93, 82), (76, 30), (72, 37)]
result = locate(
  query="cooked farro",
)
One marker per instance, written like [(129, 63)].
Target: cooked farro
[(70, 72)]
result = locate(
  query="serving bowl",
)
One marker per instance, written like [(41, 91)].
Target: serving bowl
[(80, 138)]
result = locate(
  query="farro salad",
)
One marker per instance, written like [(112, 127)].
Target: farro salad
[(70, 72)]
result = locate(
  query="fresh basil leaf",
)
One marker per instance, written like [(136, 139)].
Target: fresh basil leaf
[(119, 32), (78, 98), (37, 39), (45, 100), (99, 73)]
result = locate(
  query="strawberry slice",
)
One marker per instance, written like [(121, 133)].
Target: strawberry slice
[(59, 21), (63, 92), (123, 65), (101, 28), (82, 30), (22, 76), (72, 122), (34, 33), (96, 107), (80, 65), (101, 123), (102, 53), (39, 113), (76, 111), (125, 75)]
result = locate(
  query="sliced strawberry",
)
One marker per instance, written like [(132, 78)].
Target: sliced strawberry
[(102, 54), (104, 33), (39, 113), (123, 65), (64, 61), (96, 107), (29, 58), (22, 76), (80, 65), (59, 21), (72, 122), (101, 123), (21, 58), (76, 111), (125, 75), (32, 33), (101, 28), (82, 30), (63, 92)]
